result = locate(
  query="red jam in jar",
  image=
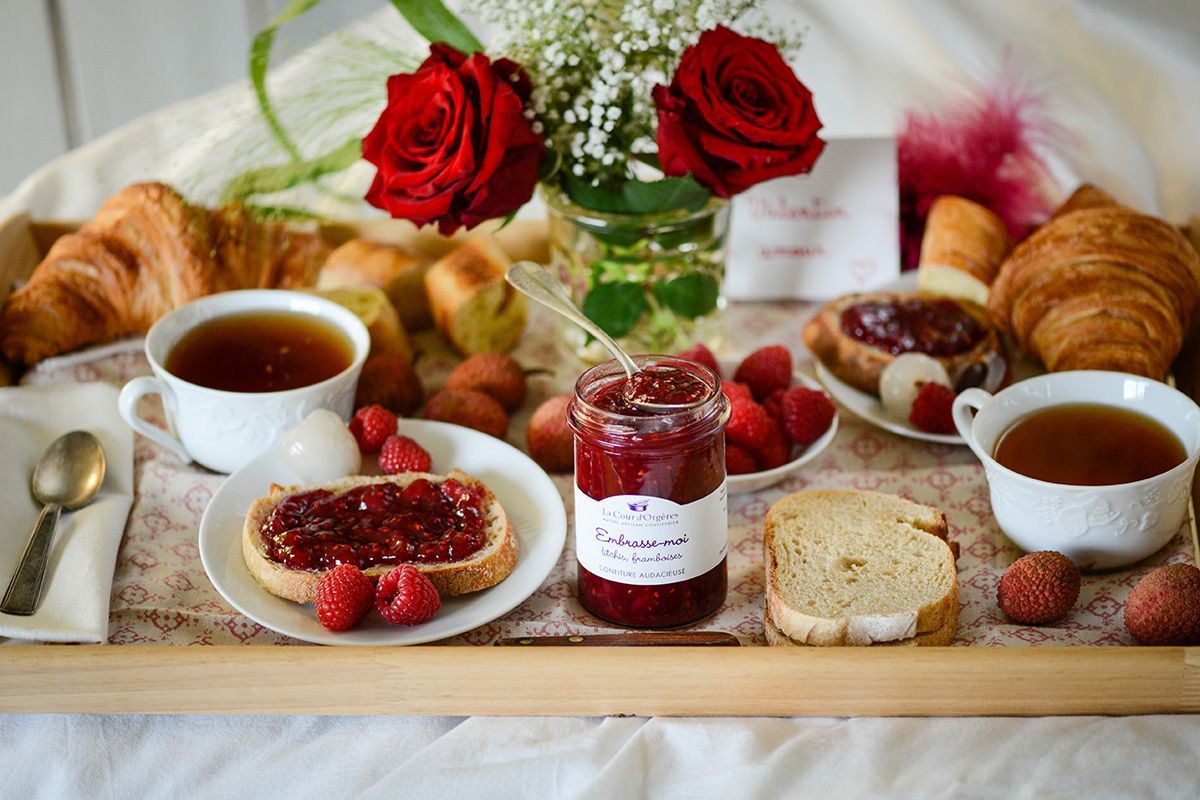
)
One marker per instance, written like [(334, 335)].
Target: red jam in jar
[(376, 524), (935, 327), (651, 520)]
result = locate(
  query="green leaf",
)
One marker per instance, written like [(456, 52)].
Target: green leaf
[(689, 296), (615, 307), (638, 197), (260, 60), (266, 180), (436, 23)]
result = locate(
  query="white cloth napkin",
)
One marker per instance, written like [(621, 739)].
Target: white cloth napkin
[(78, 584)]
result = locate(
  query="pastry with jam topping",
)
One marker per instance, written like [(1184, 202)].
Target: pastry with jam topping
[(857, 335), (451, 527)]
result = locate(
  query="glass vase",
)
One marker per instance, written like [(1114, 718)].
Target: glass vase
[(656, 282)]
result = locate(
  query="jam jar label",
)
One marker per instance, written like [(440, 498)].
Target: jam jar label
[(648, 541)]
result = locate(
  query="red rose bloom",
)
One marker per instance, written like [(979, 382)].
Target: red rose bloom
[(453, 145), (735, 115)]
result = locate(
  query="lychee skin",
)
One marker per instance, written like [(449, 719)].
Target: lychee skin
[(1164, 606), (550, 441), (1039, 588)]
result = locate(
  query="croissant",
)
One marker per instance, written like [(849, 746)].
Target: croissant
[(147, 251), (1099, 286)]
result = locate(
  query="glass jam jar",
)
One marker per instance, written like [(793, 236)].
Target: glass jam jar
[(651, 519)]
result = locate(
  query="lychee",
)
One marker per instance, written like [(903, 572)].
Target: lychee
[(469, 408), (1164, 606), (1039, 588), (389, 380), (550, 441), (494, 374)]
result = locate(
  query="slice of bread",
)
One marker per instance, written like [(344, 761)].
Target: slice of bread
[(939, 638), (473, 305), (398, 273), (372, 306), (858, 568), (492, 564), (961, 250)]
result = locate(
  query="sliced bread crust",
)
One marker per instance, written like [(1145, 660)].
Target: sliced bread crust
[(857, 568), (939, 638), (492, 564)]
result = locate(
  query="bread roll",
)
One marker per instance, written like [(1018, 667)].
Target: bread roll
[(372, 306), (962, 249), (401, 276), (473, 305)]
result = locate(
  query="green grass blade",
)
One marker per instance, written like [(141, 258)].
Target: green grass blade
[(435, 22), (266, 180), (260, 60)]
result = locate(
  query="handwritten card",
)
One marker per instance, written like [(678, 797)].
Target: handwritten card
[(819, 235)]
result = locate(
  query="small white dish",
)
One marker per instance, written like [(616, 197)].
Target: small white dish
[(870, 408), (754, 481), (527, 493)]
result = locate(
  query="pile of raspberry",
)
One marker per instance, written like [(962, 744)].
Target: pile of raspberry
[(770, 418)]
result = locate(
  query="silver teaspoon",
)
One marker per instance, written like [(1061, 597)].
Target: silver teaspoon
[(532, 279), (68, 476)]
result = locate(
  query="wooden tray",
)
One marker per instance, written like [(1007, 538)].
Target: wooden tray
[(671, 681)]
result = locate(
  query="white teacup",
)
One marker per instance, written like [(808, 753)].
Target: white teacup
[(224, 430), (1097, 527)]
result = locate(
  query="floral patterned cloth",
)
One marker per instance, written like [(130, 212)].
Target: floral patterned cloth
[(162, 595)]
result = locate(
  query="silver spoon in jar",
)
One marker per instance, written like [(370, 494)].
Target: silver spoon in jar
[(68, 476), (533, 280)]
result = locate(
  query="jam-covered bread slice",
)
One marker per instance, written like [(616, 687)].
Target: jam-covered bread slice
[(857, 335), (451, 527)]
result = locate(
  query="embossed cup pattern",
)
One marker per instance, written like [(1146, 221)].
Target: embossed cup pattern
[(1099, 527)]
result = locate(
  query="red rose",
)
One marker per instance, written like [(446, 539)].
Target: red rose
[(453, 145), (735, 115)]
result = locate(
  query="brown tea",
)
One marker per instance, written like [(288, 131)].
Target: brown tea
[(1084, 444), (260, 351)]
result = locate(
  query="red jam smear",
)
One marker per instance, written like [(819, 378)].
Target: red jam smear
[(376, 525), (659, 465), (934, 327)]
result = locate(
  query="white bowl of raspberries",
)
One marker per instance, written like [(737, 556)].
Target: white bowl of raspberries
[(779, 420)]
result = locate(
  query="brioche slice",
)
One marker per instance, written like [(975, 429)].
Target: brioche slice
[(473, 305), (858, 568), (372, 306), (490, 565), (962, 249), (398, 273)]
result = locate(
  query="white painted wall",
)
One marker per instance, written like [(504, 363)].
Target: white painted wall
[(73, 70)]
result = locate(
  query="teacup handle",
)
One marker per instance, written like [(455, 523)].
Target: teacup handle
[(967, 401), (134, 391)]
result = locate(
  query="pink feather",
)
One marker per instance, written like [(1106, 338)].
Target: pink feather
[(985, 147)]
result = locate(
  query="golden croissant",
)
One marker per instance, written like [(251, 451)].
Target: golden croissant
[(147, 252), (1099, 286)]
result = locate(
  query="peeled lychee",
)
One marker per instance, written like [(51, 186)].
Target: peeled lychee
[(550, 441), (1039, 588), (1164, 606)]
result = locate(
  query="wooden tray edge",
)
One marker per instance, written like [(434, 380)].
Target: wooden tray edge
[(603, 681)]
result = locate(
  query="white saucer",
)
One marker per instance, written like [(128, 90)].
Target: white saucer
[(531, 499), (753, 481), (869, 407)]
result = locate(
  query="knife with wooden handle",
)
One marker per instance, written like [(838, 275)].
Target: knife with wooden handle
[(654, 639)]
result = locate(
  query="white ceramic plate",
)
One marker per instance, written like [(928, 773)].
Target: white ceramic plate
[(753, 481), (528, 495), (868, 406)]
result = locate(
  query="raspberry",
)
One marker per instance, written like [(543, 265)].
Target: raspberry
[(469, 408), (371, 426), (344, 597), (807, 414), (777, 450), (389, 380), (402, 454), (1039, 587), (750, 426), (405, 596), (931, 409), (701, 355), (495, 374), (734, 390), (774, 404), (765, 370), (738, 461)]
